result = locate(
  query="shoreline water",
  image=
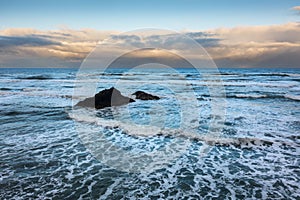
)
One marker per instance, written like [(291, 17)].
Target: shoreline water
[(42, 155)]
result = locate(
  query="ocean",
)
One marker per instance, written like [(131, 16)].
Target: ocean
[(178, 147)]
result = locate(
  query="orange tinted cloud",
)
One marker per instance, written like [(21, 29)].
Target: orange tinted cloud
[(257, 46), (297, 8)]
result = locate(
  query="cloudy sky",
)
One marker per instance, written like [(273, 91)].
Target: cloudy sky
[(235, 33)]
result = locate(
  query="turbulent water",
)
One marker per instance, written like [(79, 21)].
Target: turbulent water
[(49, 150)]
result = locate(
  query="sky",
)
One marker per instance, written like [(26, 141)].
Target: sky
[(125, 15), (236, 33)]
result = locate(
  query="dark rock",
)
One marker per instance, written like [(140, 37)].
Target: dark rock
[(105, 98), (145, 96)]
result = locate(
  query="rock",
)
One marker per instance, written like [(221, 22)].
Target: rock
[(145, 96), (105, 98)]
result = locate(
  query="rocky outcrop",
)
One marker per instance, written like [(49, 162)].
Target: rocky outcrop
[(105, 98), (145, 96)]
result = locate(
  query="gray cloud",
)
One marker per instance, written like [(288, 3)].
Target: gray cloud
[(252, 46), (203, 38), (11, 41), (209, 42), (206, 39), (128, 39), (149, 55)]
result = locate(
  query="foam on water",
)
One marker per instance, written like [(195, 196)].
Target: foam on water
[(81, 115), (256, 157)]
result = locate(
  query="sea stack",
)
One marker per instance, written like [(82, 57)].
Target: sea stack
[(105, 98)]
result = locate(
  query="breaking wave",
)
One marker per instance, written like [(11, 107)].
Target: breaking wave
[(135, 130), (36, 77)]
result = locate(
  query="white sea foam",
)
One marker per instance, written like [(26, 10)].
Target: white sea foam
[(42, 150), (293, 97), (250, 96), (148, 131)]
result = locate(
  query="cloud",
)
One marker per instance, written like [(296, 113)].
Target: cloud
[(128, 39), (205, 39), (258, 46), (253, 46), (64, 47), (297, 9), (149, 55), (9, 41)]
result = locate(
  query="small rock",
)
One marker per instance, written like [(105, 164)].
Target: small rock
[(145, 96)]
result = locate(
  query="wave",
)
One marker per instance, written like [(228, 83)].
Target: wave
[(267, 74), (293, 97), (36, 77), (164, 81), (251, 96), (254, 96), (246, 74), (83, 115), (289, 97), (33, 93), (33, 89), (41, 92), (6, 89), (101, 74), (121, 74), (281, 84)]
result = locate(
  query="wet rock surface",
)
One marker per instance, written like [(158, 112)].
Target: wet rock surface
[(106, 98), (145, 96)]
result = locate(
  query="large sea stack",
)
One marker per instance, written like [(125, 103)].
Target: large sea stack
[(105, 98)]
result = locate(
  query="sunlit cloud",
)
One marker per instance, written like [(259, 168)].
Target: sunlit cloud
[(297, 8), (256, 45), (253, 46), (65, 47)]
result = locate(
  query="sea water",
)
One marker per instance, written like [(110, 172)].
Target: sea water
[(44, 154)]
